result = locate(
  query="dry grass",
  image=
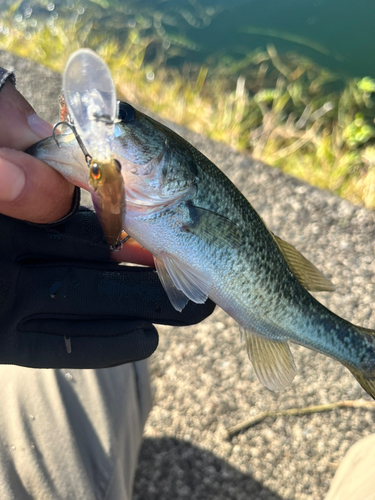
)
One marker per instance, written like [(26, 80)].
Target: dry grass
[(283, 110)]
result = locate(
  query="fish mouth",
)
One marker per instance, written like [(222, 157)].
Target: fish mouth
[(54, 148), (63, 154), (50, 143)]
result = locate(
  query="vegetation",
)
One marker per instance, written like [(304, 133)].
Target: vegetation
[(284, 110)]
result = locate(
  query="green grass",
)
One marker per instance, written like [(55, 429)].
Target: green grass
[(286, 111)]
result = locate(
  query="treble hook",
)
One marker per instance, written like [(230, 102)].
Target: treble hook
[(118, 246), (88, 157)]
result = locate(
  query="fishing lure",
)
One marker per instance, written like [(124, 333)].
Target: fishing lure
[(88, 106)]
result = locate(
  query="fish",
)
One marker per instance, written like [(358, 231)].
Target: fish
[(209, 242)]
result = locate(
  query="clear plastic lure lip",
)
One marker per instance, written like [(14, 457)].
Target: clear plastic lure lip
[(89, 107), (91, 101)]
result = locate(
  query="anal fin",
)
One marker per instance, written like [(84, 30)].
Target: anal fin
[(272, 360)]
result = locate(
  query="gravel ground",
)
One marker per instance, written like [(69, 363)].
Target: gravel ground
[(202, 379)]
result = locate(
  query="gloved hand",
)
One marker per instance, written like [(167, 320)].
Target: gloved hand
[(60, 292)]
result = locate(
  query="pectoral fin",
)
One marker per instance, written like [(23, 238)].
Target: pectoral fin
[(212, 227), (180, 280), (306, 273), (272, 360)]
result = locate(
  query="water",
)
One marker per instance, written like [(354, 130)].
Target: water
[(334, 33)]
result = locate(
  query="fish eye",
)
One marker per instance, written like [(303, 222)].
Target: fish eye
[(96, 173), (118, 166), (126, 113)]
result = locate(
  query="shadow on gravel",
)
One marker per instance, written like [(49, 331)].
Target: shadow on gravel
[(170, 469)]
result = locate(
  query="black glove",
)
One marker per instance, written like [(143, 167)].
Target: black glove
[(60, 292)]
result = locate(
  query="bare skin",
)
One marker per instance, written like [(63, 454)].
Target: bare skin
[(29, 188)]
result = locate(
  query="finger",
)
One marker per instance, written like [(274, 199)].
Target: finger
[(31, 190), (135, 253), (20, 127)]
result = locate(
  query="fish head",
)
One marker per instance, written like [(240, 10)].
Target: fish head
[(157, 165)]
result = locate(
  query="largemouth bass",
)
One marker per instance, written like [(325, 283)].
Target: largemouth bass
[(208, 241)]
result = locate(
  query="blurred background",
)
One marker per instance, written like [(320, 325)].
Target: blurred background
[(292, 83)]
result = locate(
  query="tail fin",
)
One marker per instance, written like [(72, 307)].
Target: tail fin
[(365, 373), (367, 381)]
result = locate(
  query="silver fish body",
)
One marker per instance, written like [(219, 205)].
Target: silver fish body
[(208, 241)]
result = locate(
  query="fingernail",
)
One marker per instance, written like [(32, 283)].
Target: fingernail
[(39, 126), (12, 181)]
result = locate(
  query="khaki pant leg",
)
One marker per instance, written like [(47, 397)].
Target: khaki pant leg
[(71, 434), (355, 477)]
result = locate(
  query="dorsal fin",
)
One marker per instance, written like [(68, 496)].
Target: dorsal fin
[(306, 273)]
